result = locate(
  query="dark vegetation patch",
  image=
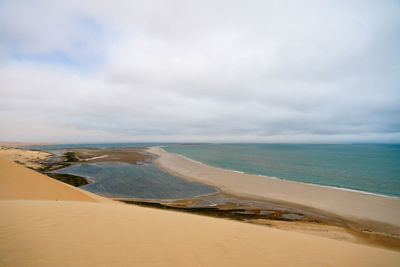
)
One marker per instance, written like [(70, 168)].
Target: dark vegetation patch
[(71, 156), (69, 179), (234, 214)]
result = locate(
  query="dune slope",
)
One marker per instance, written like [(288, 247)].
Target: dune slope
[(18, 182)]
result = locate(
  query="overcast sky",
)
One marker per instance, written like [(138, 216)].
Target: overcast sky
[(230, 71)]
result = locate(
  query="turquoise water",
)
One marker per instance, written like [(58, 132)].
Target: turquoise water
[(369, 168), (124, 180)]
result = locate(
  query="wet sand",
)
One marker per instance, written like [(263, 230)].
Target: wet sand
[(128, 155), (380, 213)]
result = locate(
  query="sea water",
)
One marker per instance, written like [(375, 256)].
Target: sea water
[(364, 167)]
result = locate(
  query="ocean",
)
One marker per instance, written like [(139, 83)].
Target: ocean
[(370, 168)]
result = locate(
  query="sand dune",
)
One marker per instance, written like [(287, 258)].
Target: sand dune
[(80, 230), (18, 182), (381, 213)]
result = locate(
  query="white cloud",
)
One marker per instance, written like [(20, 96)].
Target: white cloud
[(188, 70)]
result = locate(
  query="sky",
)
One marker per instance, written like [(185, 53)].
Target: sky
[(200, 71)]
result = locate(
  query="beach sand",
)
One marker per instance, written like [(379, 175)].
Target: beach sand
[(48, 223), (377, 212)]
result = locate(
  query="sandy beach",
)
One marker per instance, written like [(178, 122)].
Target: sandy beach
[(378, 212), (47, 223)]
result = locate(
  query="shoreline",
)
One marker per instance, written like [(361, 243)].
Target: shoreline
[(381, 213), (282, 179)]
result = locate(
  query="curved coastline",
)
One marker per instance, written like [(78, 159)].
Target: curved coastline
[(214, 157), (380, 212), (282, 179)]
